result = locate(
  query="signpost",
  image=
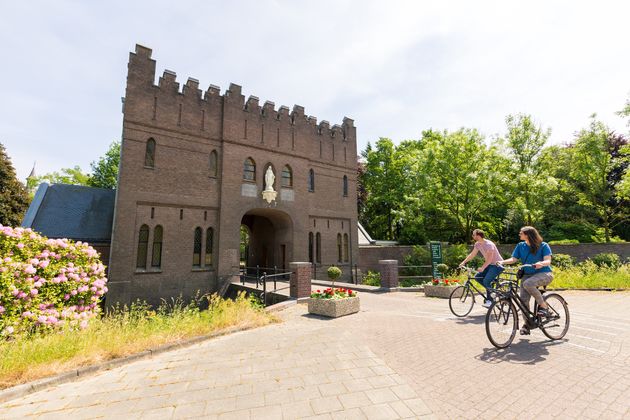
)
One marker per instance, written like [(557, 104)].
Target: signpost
[(436, 257)]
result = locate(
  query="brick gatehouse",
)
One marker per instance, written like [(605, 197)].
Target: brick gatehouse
[(194, 165)]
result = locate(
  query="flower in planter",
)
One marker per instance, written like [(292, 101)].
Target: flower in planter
[(445, 282), (336, 293)]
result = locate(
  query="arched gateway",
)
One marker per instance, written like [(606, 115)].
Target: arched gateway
[(270, 239)]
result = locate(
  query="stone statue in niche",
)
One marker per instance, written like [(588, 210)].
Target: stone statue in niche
[(269, 178), (269, 194)]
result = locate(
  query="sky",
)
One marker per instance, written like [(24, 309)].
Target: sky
[(396, 67)]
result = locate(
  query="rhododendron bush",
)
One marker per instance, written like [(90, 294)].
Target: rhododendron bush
[(47, 284)]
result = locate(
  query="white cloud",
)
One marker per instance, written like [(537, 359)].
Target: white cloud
[(397, 68)]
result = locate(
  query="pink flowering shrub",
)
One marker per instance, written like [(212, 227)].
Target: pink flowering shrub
[(47, 284)]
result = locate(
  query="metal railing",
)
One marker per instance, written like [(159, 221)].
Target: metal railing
[(406, 272), (248, 274)]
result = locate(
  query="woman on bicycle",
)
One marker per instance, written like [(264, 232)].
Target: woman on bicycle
[(537, 255), (489, 270)]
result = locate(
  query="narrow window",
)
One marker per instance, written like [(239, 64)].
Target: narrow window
[(181, 214), (310, 246), (345, 247), (154, 107), (179, 117), (345, 186), (292, 140), (249, 170), (345, 155), (213, 167), (209, 237), (149, 154), (245, 130), (339, 254), (143, 242), (152, 212), (333, 151), (203, 120), (318, 247), (278, 137), (156, 254), (287, 177), (311, 180), (205, 216), (197, 248)]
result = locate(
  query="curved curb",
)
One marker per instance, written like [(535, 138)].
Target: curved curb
[(22, 390)]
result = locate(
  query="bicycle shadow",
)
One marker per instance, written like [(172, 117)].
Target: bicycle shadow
[(472, 319), (522, 352)]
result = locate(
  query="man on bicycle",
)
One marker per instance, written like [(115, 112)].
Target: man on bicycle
[(489, 270)]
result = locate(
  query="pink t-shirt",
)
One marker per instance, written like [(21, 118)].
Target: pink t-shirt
[(489, 251)]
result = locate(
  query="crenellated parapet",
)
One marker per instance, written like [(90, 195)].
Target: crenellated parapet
[(190, 108)]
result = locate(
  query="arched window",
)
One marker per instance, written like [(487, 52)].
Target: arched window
[(318, 248), (345, 247), (310, 247), (339, 254), (249, 170), (311, 180), (287, 177), (197, 248), (156, 254), (209, 237), (213, 165), (345, 186), (143, 243), (149, 154)]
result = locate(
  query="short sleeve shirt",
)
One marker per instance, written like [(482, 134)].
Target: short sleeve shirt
[(489, 251), (523, 252)]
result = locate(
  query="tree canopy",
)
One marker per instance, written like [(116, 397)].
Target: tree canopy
[(445, 184), (13, 196)]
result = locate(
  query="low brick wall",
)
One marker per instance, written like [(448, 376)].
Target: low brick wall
[(370, 255)]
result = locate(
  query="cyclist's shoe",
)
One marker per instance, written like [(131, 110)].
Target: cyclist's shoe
[(486, 303), (544, 312), (524, 330)]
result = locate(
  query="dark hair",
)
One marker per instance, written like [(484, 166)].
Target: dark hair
[(533, 237), (479, 232)]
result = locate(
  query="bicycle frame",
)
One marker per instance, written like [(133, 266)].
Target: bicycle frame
[(532, 319)]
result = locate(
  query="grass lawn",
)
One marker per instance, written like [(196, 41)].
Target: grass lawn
[(120, 334)]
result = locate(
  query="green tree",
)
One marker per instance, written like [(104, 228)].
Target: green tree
[(625, 112), (594, 163), (105, 170), (463, 177), (14, 199), (525, 141), (74, 176), (384, 186)]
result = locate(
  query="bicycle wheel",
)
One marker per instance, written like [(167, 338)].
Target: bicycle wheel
[(501, 323), (558, 325), (461, 301)]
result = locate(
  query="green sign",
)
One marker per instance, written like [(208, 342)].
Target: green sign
[(436, 257)]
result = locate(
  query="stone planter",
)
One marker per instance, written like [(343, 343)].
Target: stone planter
[(333, 308), (440, 291)]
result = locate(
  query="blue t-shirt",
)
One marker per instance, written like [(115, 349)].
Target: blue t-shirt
[(524, 253)]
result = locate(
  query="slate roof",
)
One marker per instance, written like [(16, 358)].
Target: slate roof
[(72, 211)]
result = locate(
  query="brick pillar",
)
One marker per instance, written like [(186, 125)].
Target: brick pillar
[(300, 281), (389, 273)]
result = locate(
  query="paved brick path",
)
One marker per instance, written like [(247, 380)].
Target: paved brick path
[(403, 356)]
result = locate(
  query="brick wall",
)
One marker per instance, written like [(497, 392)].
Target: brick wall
[(370, 255)]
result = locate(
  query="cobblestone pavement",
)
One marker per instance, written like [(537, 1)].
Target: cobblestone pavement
[(402, 356)]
